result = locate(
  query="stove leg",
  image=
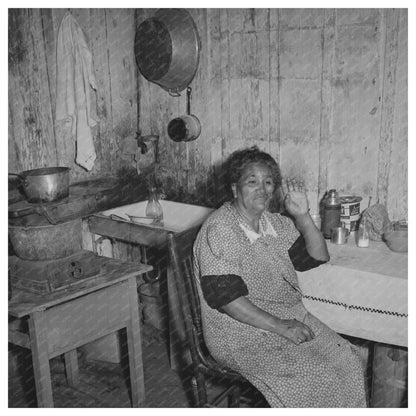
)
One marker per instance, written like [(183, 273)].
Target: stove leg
[(39, 346), (71, 367)]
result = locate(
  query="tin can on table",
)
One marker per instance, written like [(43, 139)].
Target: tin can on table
[(350, 212)]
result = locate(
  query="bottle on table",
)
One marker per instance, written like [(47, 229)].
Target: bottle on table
[(331, 212), (363, 239), (153, 207)]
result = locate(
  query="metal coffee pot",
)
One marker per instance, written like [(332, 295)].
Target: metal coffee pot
[(339, 235)]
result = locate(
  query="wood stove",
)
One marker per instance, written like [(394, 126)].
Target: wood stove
[(48, 274)]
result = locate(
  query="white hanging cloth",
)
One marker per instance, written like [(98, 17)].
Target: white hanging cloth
[(74, 77)]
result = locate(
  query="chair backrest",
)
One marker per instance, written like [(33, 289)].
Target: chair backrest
[(180, 248), (180, 252)]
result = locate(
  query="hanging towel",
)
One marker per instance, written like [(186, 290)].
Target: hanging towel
[(74, 77)]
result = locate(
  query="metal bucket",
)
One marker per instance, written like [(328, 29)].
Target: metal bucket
[(390, 376)]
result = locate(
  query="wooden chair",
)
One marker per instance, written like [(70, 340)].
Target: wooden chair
[(202, 363)]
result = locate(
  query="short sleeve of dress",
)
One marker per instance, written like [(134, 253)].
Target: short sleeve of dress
[(220, 255), (220, 269)]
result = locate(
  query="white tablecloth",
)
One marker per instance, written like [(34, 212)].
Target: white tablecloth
[(360, 292)]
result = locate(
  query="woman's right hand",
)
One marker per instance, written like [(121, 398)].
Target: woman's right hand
[(295, 331)]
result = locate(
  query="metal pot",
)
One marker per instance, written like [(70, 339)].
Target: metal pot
[(47, 242), (167, 49), (185, 128), (45, 184)]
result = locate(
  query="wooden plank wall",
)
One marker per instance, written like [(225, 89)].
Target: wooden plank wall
[(323, 90), (35, 140)]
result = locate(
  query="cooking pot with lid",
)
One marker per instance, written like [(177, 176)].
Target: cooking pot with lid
[(167, 48)]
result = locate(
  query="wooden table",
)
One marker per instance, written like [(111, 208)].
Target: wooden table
[(62, 321), (362, 292)]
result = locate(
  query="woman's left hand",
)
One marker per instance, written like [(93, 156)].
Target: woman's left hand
[(295, 200)]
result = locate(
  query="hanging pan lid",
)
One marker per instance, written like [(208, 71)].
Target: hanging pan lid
[(167, 49)]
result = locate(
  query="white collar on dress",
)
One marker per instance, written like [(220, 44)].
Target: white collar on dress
[(263, 231)]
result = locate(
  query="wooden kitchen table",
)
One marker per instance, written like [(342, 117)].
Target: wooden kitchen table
[(362, 292), (62, 321)]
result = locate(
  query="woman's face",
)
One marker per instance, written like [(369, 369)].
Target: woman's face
[(254, 189)]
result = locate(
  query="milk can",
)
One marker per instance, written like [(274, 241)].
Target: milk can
[(331, 212)]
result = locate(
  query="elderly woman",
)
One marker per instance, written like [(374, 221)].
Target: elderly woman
[(254, 319)]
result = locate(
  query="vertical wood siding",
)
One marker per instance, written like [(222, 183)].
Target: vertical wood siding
[(35, 140), (323, 90)]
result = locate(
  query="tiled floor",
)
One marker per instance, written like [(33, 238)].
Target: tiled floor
[(105, 385)]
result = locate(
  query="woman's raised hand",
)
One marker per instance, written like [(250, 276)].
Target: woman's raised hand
[(295, 199)]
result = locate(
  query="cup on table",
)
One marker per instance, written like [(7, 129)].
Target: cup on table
[(339, 235)]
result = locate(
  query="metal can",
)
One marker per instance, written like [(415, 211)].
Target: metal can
[(332, 212), (350, 212)]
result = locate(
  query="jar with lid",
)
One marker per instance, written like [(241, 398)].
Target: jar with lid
[(331, 212), (153, 207)]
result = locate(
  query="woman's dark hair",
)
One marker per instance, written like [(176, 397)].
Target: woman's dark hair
[(238, 160)]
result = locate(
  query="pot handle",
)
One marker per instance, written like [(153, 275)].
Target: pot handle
[(346, 230), (188, 100), (42, 211), (23, 180), (173, 92)]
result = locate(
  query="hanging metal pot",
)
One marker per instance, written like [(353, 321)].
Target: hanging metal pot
[(45, 184), (167, 49), (185, 128)]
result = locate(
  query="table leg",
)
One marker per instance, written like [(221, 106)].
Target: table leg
[(40, 357), (71, 367), (134, 343)]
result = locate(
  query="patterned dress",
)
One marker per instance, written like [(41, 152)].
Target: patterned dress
[(324, 372)]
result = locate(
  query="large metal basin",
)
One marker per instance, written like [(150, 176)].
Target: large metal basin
[(177, 217)]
